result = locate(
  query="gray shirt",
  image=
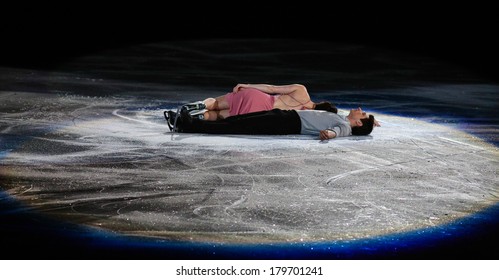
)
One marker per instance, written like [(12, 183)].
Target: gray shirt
[(313, 121)]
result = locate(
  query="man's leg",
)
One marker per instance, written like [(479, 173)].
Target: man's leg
[(273, 122)]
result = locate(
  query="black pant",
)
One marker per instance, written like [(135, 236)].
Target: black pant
[(271, 122)]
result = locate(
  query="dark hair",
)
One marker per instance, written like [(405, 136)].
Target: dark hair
[(366, 128), (326, 106)]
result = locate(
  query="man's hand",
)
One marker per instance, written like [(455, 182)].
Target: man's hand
[(326, 134)]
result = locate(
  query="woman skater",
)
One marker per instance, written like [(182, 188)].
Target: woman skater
[(248, 98)]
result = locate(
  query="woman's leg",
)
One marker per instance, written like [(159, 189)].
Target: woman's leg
[(216, 115), (217, 103), (218, 108)]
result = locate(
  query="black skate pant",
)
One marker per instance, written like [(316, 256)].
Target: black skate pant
[(273, 122)]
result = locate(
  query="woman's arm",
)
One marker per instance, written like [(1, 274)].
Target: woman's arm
[(271, 89)]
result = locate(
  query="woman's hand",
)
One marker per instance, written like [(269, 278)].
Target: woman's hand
[(269, 89), (239, 87), (326, 134)]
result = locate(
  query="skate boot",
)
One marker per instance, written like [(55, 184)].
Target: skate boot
[(199, 105), (198, 114), (184, 120), (172, 119)]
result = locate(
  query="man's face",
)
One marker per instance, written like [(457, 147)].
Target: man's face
[(357, 114)]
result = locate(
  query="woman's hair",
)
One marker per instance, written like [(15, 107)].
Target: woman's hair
[(326, 106), (366, 128)]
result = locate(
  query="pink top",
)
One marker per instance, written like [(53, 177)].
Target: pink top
[(248, 100)]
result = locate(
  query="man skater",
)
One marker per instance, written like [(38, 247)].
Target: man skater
[(327, 125)]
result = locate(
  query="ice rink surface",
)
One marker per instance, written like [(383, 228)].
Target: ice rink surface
[(90, 168)]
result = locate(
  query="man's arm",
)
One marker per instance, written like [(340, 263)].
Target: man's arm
[(272, 89)]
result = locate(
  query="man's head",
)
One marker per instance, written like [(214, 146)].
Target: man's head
[(326, 106), (361, 122), (366, 126)]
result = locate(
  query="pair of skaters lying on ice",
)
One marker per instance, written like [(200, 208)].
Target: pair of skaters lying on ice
[(264, 109)]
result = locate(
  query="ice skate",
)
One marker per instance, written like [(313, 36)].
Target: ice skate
[(172, 119), (198, 114), (199, 105)]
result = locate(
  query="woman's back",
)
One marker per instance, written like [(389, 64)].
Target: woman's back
[(298, 100)]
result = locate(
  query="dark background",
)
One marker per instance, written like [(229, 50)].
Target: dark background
[(44, 36)]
